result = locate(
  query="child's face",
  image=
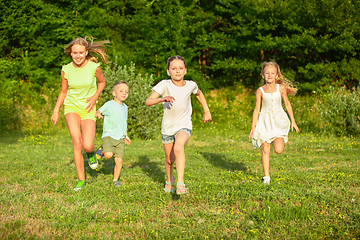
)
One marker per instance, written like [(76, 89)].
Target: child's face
[(270, 74), (177, 70), (78, 54), (121, 93)]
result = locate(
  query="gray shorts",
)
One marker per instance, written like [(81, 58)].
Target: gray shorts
[(166, 139)]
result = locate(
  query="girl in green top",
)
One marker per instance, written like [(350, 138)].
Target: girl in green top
[(79, 94)]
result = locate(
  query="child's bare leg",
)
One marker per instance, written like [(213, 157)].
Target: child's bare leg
[(88, 134), (278, 145), (118, 167), (108, 155), (265, 158), (169, 163), (73, 123), (181, 138)]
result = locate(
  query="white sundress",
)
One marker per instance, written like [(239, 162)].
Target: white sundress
[(272, 122)]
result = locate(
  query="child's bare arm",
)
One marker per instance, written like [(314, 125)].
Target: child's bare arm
[(154, 99), (60, 100), (92, 100), (288, 108), (256, 112), (207, 115), (127, 140)]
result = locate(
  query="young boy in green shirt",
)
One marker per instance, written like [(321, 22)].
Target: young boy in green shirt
[(115, 128)]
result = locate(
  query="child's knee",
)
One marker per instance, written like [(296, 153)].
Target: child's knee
[(266, 150), (108, 155), (279, 150), (178, 149), (118, 160), (170, 159), (88, 147), (77, 143)]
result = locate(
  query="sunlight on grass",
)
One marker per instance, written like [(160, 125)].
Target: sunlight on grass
[(314, 193)]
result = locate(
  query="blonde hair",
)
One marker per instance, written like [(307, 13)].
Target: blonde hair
[(92, 47), (118, 83), (290, 88)]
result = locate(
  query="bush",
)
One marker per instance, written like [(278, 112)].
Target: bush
[(340, 111), (143, 121)]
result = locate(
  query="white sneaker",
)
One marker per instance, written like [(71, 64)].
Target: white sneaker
[(266, 180)]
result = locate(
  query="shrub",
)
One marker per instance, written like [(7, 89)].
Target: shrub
[(340, 111), (143, 121)]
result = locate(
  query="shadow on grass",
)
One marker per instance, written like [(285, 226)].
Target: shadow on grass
[(151, 169), (11, 136), (219, 160)]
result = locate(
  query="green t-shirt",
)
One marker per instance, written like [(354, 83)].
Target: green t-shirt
[(115, 119), (82, 83)]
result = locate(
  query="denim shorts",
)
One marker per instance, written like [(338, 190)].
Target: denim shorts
[(166, 139)]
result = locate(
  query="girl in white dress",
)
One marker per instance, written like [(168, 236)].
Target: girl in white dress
[(271, 124)]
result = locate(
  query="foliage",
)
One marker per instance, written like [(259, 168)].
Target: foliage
[(224, 42), (314, 190), (340, 111), (143, 121)]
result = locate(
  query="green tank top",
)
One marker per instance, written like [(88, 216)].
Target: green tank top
[(81, 82)]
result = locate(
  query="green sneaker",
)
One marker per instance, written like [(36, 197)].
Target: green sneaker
[(80, 185), (93, 162)]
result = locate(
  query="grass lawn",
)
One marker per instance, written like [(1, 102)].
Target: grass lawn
[(314, 191)]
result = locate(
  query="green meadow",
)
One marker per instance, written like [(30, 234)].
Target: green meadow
[(314, 191)]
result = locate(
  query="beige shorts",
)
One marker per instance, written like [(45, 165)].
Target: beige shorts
[(115, 146)]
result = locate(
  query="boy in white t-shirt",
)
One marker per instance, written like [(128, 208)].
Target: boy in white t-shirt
[(176, 125), (114, 128)]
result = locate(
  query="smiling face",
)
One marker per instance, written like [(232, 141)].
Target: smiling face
[(270, 74), (120, 93), (177, 70), (78, 54)]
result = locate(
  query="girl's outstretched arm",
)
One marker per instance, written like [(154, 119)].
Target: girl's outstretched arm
[(256, 112), (207, 115), (288, 108), (61, 99), (92, 100), (154, 99)]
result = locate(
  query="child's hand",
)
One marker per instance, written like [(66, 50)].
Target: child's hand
[(98, 114), (91, 103), (293, 125), (167, 99), (207, 117), (55, 118), (127, 140), (251, 134)]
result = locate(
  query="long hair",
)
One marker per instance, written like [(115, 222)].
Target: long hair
[(91, 47), (290, 88)]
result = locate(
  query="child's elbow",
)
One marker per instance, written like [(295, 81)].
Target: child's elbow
[(148, 102)]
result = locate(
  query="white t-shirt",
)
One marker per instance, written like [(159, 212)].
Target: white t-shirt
[(177, 115)]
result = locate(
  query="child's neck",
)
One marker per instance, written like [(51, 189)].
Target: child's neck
[(271, 85), (178, 83), (118, 101)]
